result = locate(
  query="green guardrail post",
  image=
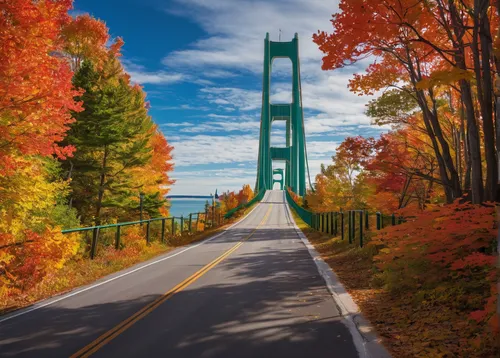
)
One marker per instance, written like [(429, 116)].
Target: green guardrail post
[(367, 225), (361, 229), (206, 219), (93, 245), (351, 224), (378, 215), (342, 224), (182, 224), (148, 231), (331, 223), (393, 219), (190, 222), (163, 230), (197, 221), (117, 237), (173, 225)]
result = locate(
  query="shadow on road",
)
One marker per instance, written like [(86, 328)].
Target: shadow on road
[(265, 300)]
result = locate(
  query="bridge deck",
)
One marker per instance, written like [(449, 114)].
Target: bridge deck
[(265, 298)]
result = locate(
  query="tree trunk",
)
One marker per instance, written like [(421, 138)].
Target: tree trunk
[(451, 186), (485, 88), (474, 145), (454, 180), (497, 102), (465, 89), (102, 181)]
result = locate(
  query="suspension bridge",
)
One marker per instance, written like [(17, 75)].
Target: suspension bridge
[(256, 289)]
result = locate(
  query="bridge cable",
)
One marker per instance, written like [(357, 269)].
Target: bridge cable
[(303, 129)]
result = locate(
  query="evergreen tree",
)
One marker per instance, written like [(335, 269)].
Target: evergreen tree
[(111, 136)]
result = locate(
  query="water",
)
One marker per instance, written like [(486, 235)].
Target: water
[(186, 206)]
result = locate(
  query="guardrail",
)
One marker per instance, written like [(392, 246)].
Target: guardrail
[(336, 223), (256, 198), (169, 226), (306, 216)]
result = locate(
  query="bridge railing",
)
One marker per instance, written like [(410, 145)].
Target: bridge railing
[(306, 216), (350, 224), (169, 228), (256, 198)]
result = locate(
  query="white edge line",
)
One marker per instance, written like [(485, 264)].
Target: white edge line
[(343, 299), (42, 304)]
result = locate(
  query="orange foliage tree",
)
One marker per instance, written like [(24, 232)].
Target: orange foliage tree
[(245, 194), (231, 200), (153, 178), (36, 97), (36, 94), (85, 38), (428, 49)]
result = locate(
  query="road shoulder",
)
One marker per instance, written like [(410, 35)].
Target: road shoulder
[(364, 335)]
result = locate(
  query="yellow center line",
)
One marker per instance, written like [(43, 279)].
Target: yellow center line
[(127, 323)]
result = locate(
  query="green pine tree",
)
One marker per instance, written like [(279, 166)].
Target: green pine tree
[(111, 137)]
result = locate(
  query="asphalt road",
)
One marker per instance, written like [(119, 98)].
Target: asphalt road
[(253, 291)]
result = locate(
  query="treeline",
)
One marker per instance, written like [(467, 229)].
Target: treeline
[(77, 146), (435, 62)]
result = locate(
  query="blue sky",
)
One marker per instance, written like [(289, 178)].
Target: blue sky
[(200, 62)]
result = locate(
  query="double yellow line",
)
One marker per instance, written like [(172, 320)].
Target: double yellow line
[(124, 325)]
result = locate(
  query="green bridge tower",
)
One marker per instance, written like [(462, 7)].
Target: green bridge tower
[(295, 153)]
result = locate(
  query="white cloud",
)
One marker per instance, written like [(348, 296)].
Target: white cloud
[(239, 98), (214, 73), (205, 149), (160, 77), (182, 107), (213, 115), (181, 124)]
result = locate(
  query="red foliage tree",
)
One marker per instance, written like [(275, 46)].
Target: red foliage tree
[(36, 94)]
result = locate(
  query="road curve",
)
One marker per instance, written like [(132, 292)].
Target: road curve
[(252, 291)]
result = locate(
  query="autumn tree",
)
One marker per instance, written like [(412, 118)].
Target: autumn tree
[(404, 167), (153, 178), (36, 93), (344, 178), (423, 48), (245, 194), (85, 38), (36, 97)]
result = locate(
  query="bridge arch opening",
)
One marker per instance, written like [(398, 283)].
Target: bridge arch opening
[(281, 81), (279, 169), (278, 134)]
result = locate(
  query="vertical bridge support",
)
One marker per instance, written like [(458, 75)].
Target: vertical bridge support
[(294, 154)]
